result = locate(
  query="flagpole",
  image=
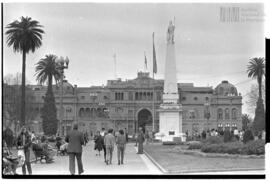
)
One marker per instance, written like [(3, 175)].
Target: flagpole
[(153, 101)]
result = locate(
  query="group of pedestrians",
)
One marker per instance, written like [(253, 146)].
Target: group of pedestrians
[(106, 141)]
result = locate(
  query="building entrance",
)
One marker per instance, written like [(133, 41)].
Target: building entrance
[(144, 119)]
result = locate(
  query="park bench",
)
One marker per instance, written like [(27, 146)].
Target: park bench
[(39, 154)]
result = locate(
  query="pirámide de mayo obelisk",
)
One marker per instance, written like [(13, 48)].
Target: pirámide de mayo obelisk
[(170, 112)]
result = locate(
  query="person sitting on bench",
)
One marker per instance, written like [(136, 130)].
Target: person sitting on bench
[(48, 151)]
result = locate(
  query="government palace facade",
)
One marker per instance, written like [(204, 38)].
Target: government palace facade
[(132, 103)]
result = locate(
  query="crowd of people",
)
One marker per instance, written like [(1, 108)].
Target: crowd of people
[(235, 133), (106, 141)]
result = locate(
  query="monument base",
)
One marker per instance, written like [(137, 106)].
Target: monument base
[(170, 122)]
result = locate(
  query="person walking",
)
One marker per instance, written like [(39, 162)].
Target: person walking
[(98, 143), (103, 133), (109, 142), (75, 141), (121, 145), (140, 140), (24, 144)]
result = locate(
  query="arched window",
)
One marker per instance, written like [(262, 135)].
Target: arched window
[(136, 96), (234, 113), (93, 111), (81, 112), (220, 113), (227, 113), (87, 112)]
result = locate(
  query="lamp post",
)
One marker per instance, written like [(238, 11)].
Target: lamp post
[(207, 113), (62, 65)]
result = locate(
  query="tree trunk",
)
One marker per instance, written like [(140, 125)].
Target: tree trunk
[(23, 90), (49, 83), (260, 87)]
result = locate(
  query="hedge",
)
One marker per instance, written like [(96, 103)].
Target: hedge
[(253, 147), (195, 145)]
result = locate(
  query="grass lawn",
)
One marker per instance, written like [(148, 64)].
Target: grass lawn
[(174, 162)]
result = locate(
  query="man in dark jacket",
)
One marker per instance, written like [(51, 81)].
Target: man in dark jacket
[(75, 141), (24, 142)]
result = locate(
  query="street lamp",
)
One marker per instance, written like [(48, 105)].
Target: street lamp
[(62, 65), (207, 113)]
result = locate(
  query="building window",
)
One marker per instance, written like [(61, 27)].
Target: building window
[(206, 98), (68, 110), (130, 96), (234, 113), (220, 113), (184, 98), (227, 113), (119, 96), (192, 114), (136, 96), (81, 112), (118, 109), (195, 98), (82, 97)]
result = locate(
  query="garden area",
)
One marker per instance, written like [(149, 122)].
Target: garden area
[(230, 145), (216, 153)]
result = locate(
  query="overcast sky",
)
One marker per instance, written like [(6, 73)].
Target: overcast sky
[(207, 50)]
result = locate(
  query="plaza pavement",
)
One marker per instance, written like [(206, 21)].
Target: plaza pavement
[(133, 164)]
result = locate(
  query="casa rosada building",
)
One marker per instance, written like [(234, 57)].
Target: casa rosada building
[(132, 103)]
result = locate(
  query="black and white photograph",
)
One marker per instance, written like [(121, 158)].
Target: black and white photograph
[(144, 89)]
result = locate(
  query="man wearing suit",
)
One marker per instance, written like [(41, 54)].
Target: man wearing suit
[(75, 141), (109, 142)]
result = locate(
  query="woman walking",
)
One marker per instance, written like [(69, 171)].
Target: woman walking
[(98, 143), (121, 145)]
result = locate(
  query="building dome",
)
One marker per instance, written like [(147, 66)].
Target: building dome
[(225, 88), (67, 87)]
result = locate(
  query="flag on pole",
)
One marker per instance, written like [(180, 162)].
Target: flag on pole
[(154, 57), (145, 62)]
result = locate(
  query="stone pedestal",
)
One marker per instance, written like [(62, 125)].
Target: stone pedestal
[(170, 118)]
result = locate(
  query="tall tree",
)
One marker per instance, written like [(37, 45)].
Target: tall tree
[(46, 71), (24, 36), (253, 96), (256, 70), (246, 120)]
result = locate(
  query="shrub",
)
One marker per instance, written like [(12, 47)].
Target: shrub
[(256, 147), (213, 140), (248, 136), (195, 145), (230, 148)]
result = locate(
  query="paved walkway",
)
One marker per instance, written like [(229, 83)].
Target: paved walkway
[(133, 164)]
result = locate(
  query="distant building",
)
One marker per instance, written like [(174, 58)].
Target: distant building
[(127, 104)]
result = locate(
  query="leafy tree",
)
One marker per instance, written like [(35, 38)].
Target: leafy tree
[(46, 71), (24, 36), (256, 70), (246, 120), (12, 99)]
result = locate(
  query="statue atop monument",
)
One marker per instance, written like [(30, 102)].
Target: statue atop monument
[(170, 33)]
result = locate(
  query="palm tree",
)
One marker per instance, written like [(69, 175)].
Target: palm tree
[(256, 70), (24, 36), (46, 70)]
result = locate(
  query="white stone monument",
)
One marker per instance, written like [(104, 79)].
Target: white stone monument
[(170, 112)]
